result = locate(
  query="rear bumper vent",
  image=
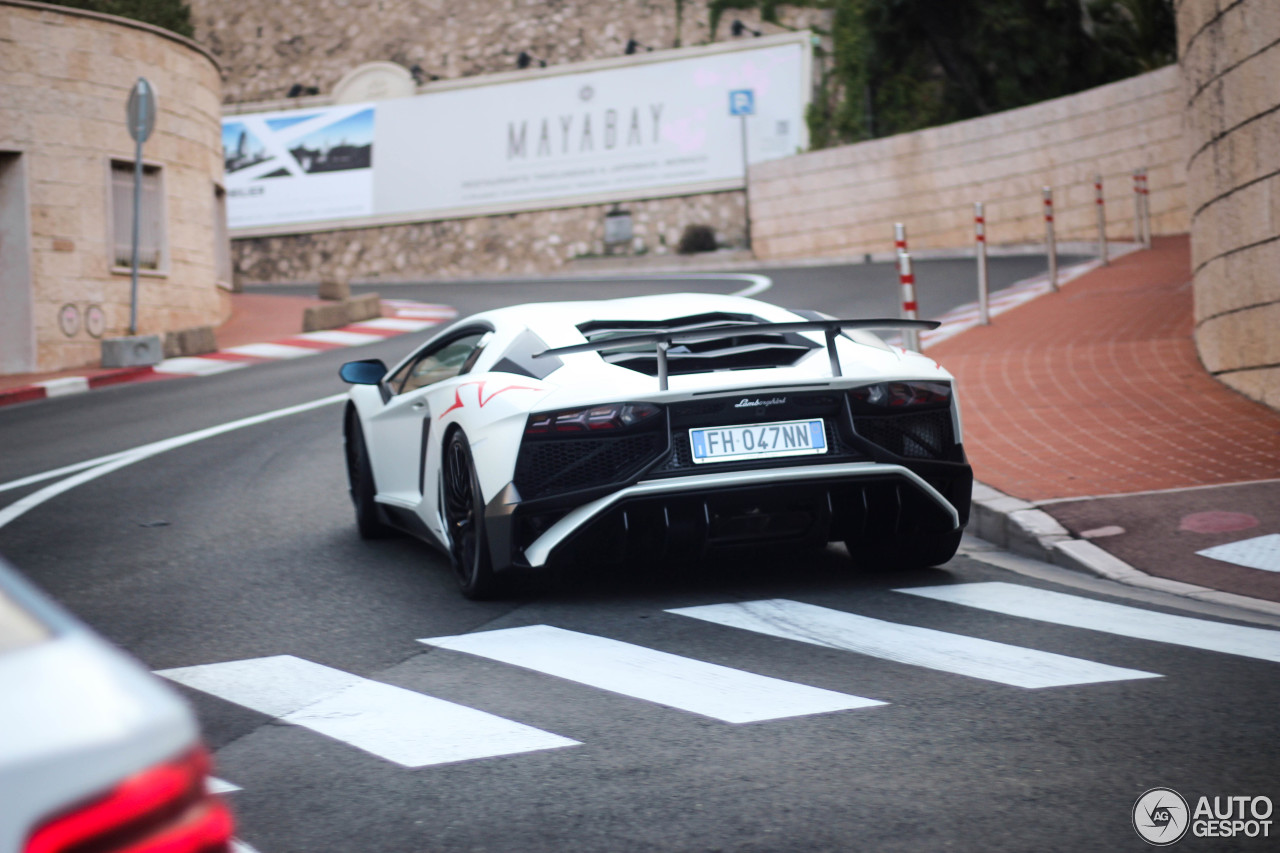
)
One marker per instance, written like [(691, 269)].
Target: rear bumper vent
[(557, 466), (918, 435)]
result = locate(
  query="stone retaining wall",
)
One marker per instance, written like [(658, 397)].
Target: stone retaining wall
[(1230, 56), (510, 244), (843, 201)]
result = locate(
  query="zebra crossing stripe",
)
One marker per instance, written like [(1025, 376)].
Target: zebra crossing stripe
[(954, 653), (408, 728), (698, 687), (1078, 612)]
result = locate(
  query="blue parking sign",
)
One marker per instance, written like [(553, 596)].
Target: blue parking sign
[(742, 102)]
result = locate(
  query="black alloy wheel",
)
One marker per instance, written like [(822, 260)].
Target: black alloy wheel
[(464, 520), (360, 479)]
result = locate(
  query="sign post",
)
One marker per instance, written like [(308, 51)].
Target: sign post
[(742, 103), (141, 114)]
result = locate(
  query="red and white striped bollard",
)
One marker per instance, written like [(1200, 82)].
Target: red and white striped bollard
[(980, 236), (1102, 219), (1146, 210), (910, 308), (1137, 207), (1051, 243)]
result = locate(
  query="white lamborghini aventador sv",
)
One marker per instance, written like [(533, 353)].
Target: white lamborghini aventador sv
[(561, 433)]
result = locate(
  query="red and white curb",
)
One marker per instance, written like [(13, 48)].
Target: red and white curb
[(407, 316), (965, 317)]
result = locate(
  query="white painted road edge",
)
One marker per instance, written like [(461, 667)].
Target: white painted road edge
[(95, 468)]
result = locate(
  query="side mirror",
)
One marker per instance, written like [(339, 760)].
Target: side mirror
[(367, 372)]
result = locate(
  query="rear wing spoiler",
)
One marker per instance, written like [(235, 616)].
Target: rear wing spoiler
[(663, 339)]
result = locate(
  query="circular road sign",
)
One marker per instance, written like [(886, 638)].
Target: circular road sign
[(141, 110)]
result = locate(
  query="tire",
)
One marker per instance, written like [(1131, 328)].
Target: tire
[(464, 520), (360, 479), (904, 556)]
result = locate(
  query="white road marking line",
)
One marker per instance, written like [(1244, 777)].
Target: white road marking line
[(106, 464), (31, 501), (222, 786), (1121, 619), (690, 685), (196, 366), (272, 350), (399, 324), (336, 336), (408, 728), (955, 653), (238, 846), (1260, 552), (65, 385), (58, 472)]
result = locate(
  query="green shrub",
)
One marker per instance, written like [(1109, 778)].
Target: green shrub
[(170, 14), (697, 238)]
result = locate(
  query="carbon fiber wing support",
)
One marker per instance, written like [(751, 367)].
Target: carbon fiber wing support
[(663, 339)]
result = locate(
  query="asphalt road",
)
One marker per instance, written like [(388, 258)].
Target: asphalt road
[(242, 546)]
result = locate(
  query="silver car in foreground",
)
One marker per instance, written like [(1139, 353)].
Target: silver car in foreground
[(96, 754)]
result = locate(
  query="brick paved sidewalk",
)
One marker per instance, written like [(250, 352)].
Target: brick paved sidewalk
[(1097, 390)]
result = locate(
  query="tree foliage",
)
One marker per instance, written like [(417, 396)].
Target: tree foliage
[(901, 65), (170, 14)]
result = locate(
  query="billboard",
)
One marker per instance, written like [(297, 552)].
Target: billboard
[(645, 129)]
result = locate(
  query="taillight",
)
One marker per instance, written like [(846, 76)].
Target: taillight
[(611, 417), (165, 809), (898, 395)]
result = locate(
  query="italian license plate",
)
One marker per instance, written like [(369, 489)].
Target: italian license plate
[(758, 441)]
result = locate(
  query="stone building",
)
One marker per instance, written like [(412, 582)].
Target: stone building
[(1230, 58), (66, 182)]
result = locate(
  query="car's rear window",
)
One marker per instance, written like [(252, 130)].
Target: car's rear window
[(746, 349)]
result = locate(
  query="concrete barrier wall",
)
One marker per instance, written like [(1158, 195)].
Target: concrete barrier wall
[(1230, 55), (65, 77), (842, 202)]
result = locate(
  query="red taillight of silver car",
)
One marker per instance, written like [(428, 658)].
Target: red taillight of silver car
[(164, 809)]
